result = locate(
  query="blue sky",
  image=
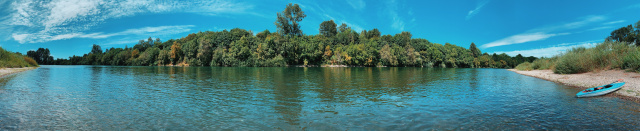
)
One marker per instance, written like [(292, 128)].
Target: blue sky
[(531, 28)]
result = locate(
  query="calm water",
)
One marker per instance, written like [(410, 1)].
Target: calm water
[(203, 98)]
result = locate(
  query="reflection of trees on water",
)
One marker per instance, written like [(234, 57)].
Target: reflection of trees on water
[(286, 90), (96, 77), (473, 79), (344, 84), (287, 94)]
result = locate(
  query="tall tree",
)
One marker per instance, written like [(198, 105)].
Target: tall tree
[(287, 21), (343, 27), (373, 33), (176, 53), (150, 41), (41, 56), (475, 52), (328, 28), (96, 49), (626, 34), (262, 35)]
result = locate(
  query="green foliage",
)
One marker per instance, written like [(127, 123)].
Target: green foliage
[(607, 55), (163, 57), (96, 49), (15, 60), (632, 60), (626, 34), (287, 20), (572, 62), (41, 56), (344, 28), (328, 28), (543, 64), (475, 52), (335, 46), (526, 66)]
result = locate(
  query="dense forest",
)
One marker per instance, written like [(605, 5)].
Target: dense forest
[(289, 46), (618, 51)]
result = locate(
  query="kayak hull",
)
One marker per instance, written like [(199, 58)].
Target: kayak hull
[(614, 87)]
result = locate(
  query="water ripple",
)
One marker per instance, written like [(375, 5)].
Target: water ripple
[(208, 98)]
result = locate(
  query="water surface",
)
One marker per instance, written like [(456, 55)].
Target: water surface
[(242, 98)]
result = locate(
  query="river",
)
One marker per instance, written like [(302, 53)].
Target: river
[(295, 98)]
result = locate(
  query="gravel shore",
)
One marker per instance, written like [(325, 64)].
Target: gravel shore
[(631, 90), (9, 71)]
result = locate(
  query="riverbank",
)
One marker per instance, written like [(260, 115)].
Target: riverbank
[(9, 71), (631, 90)]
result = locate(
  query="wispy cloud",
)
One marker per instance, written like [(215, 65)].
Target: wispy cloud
[(584, 21), (152, 31), (550, 51), (477, 9), (357, 4), (322, 14), (354, 27), (600, 28), (614, 22), (543, 33), (521, 38), (397, 21), (62, 19)]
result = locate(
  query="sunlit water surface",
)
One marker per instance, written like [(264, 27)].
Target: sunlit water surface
[(205, 98)]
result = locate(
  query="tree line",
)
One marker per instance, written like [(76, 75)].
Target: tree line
[(289, 46)]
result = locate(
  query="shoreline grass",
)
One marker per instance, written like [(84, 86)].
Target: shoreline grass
[(14, 60), (604, 56)]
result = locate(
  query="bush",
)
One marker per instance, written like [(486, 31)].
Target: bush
[(607, 55), (13, 60), (573, 62), (526, 66), (632, 61), (30, 61)]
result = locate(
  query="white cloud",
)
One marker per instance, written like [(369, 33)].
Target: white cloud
[(357, 4), (521, 38), (600, 28), (549, 51), (585, 21), (543, 33), (64, 11), (397, 22), (20, 37), (22, 13), (477, 9), (64, 19), (354, 27), (614, 22), (151, 31), (571, 25)]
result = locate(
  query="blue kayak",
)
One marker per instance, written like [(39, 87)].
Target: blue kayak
[(600, 90)]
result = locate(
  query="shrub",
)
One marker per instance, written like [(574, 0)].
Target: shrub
[(526, 66), (607, 55), (632, 61), (30, 61), (12, 60), (573, 62)]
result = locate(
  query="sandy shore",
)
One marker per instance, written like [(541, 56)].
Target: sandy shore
[(9, 71), (630, 90)]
